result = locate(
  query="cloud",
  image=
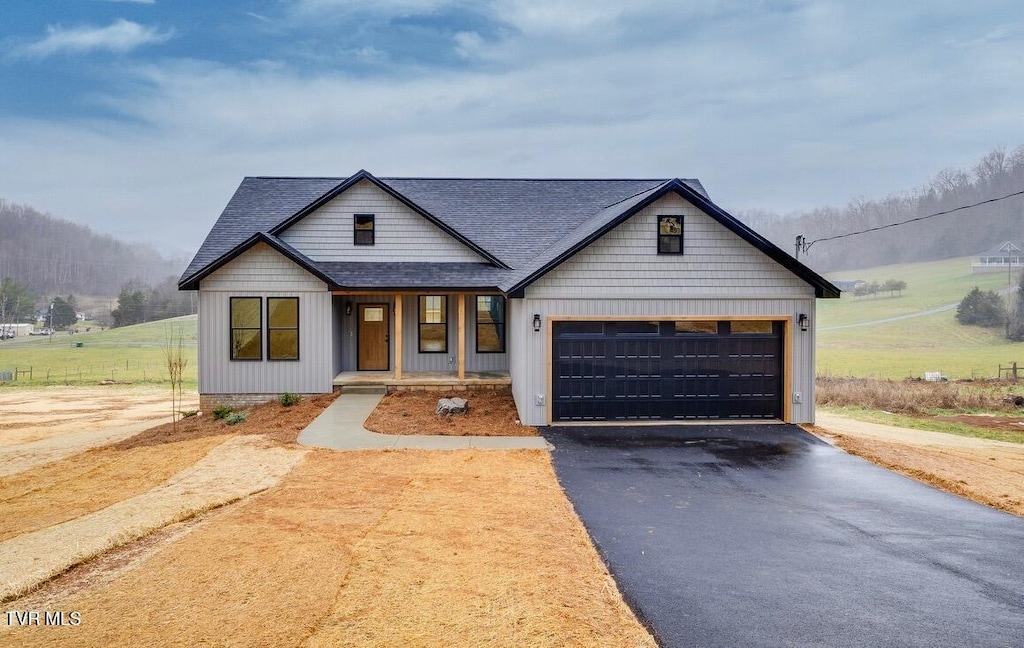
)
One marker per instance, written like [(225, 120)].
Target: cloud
[(120, 37), (737, 101)]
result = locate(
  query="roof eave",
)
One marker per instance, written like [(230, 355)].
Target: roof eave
[(192, 282)]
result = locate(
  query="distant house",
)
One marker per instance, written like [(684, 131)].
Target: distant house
[(593, 300), (847, 285), (1007, 256)]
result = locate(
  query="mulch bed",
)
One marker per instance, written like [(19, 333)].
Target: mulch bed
[(490, 413), (273, 420)]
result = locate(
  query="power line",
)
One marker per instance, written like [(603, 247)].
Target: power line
[(802, 245)]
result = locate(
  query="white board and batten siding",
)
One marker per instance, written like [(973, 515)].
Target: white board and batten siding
[(400, 234), (621, 275), (263, 272)]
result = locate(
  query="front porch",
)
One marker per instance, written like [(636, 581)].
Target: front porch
[(429, 338), (423, 380)]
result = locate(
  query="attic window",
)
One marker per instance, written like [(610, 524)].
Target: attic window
[(670, 234), (363, 233)]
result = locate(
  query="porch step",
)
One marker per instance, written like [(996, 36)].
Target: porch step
[(364, 389)]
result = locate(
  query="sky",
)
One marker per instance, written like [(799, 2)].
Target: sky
[(139, 118)]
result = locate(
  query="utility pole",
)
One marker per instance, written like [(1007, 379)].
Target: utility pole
[(800, 241)]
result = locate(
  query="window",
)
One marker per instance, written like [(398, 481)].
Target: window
[(490, 324), (750, 326), (246, 328), (363, 233), (433, 324), (282, 328), (670, 234), (701, 327)]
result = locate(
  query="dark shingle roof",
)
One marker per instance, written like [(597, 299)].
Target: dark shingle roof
[(528, 226), (413, 275), (257, 206), (517, 219)]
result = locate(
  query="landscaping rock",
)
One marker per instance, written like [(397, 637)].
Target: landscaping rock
[(451, 406)]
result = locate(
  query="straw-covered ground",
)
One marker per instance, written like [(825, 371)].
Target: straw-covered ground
[(489, 413), (371, 548)]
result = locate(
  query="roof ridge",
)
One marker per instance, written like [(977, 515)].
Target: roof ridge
[(527, 179)]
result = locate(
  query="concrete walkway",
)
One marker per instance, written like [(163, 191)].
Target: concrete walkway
[(340, 427)]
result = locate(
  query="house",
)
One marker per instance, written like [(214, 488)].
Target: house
[(1008, 256), (594, 300), (847, 285)]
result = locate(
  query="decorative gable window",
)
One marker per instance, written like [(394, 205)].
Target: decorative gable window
[(670, 234), (433, 324), (246, 328), (363, 232), (490, 324), (282, 328)]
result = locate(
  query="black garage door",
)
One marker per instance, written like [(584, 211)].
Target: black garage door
[(668, 370)]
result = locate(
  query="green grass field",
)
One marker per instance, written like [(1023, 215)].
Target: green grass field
[(132, 354), (912, 346)]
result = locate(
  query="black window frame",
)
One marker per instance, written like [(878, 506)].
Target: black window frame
[(500, 326), (670, 237), (295, 328), (232, 328), (421, 312), (372, 219)]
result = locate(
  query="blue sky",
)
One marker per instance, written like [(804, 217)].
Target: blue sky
[(139, 118)]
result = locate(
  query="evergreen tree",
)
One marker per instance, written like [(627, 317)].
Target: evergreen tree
[(981, 308), (131, 306)]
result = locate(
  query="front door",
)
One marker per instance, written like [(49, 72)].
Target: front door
[(372, 338)]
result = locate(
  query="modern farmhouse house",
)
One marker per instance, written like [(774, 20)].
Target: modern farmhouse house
[(595, 300)]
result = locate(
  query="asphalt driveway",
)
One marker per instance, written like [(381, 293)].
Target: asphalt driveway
[(763, 535)]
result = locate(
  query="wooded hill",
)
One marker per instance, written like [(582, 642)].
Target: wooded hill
[(51, 256), (962, 233)]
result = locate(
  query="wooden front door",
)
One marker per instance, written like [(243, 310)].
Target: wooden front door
[(372, 338)]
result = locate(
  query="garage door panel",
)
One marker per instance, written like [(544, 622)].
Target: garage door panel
[(648, 370)]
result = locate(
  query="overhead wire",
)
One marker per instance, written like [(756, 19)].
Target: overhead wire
[(804, 245)]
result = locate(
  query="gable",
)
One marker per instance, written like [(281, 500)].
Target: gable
[(624, 262), (400, 234), (261, 268)]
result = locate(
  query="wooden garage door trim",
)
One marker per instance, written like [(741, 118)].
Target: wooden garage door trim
[(787, 347)]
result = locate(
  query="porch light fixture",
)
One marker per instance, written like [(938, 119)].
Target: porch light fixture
[(348, 308), (536, 322), (803, 321)]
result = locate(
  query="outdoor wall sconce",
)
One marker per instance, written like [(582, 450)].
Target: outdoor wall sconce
[(803, 321), (348, 308), (536, 322)]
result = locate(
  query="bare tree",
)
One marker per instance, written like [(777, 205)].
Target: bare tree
[(174, 355)]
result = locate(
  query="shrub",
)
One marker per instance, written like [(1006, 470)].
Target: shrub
[(981, 308), (235, 417), (288, 399), (188, 413), (221, 411)]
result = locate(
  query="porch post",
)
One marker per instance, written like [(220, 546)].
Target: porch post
[(462, 336), (398, 336)]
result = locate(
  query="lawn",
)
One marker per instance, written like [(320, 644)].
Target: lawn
[(912, 346), (930, 284), (132, 354)]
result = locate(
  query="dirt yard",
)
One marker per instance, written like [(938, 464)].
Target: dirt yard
[(986, 471), (371, 548), (39, 426)]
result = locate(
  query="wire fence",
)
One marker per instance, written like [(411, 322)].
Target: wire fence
[(90, 374)]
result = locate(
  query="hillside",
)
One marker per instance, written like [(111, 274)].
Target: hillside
[(853, 341), (57, 257), (960, 233)]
